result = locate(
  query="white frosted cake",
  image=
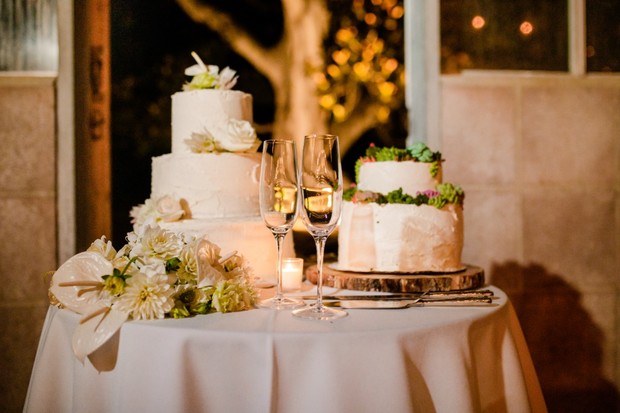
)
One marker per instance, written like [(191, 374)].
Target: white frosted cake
[(208, 185), (400, 216)]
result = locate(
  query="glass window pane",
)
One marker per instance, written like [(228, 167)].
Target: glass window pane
[(504, 35), (28, 35), (603, 35)]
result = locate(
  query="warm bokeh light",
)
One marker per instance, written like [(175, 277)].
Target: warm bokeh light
[(526, 28), (397, 12), (362, 70), (341, 56), (363, 63), (386, 91), (327, 101), (478, 22), (340, 113), (383, 114), (370, 18), (388, 66), (334, 71)]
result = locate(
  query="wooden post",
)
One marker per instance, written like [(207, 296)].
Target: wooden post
[(92, 96)]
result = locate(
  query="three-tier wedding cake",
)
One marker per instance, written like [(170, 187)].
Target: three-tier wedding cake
[(208, 184)]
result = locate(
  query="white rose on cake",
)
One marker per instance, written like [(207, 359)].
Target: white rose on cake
[(162, 209), (237, 136), (170, 209)]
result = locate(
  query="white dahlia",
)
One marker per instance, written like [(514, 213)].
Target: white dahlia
[(157, 243), (146, 297)]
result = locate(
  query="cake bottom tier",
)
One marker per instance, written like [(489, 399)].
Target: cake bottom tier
[(248, 236), (400, 238)]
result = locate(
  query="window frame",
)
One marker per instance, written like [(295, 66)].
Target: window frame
[(423, 72)]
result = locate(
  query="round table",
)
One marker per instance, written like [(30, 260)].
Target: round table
[(423, 359)]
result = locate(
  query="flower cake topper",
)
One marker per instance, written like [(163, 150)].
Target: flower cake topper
[(209, 77), (230, 135)]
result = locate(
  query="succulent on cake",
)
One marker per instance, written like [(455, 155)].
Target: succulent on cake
[(444, 193), (418, 152), (157, 274)]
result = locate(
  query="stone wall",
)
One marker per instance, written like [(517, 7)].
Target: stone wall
[(27, 223), (539, 159)]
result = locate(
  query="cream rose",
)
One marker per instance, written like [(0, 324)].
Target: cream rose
[(169, 209), (238, 136)]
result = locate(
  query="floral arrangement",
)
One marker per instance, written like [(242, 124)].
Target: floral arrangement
[(233, 135), (157, 274), (444, 194)]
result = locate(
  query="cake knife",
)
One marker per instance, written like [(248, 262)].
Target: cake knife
[(418, 302), (405, 296)]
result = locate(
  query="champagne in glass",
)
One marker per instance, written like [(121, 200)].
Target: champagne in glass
[(321, 195), (278, 197)]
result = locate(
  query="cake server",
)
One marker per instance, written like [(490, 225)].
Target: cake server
[(417, 302), (407, 296)]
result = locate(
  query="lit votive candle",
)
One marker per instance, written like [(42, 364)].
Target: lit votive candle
[(292, 273)]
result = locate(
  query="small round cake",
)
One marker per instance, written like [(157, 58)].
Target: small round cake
[(400, 216)]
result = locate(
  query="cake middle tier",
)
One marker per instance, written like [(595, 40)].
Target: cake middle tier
[(218, 185)]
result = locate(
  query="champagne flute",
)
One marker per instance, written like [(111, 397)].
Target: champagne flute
[(321, 195), (278, 197)]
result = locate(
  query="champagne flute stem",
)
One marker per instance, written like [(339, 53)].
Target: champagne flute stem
[(320, 251), (279, 241)]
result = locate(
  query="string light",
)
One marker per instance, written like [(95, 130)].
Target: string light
[(526, 28), (478, 22)]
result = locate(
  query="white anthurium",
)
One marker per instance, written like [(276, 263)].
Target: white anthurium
[(94, 332), (195, 70), (78, 286), (208, 263)]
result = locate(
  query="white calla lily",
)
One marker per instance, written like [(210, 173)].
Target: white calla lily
[(77, 284), (96, 331), (194, 70)]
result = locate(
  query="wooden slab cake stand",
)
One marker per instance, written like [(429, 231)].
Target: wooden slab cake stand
[(470, 277)]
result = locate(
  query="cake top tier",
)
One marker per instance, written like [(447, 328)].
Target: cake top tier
[(209, 117), (404, 176), (414, 169), (417, 153)]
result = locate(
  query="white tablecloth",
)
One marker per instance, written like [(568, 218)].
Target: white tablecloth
[(422, 359)]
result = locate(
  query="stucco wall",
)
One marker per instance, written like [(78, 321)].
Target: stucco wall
[(539, 160), (27, 224)]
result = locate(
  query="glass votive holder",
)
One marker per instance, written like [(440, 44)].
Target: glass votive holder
[(292, 273)]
